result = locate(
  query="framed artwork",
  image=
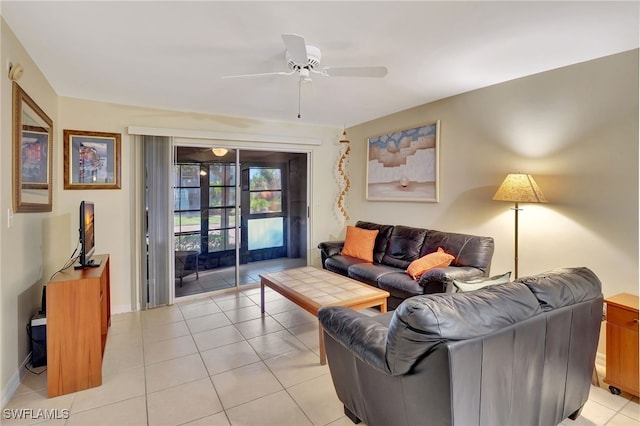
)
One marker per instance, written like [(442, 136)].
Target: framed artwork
[(34, 151), (91, 160), (403, 165)]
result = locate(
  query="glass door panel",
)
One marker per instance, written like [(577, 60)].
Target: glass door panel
[(205, 229), (274, 212)]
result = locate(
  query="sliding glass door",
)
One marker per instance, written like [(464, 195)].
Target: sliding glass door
[(237, 213)]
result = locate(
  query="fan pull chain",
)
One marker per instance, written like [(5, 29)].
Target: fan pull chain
[(299, 95)]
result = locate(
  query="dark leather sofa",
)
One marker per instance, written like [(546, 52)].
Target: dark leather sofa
[(397, 246), (520, 353)]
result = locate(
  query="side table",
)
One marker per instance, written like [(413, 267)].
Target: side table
[(622, 344)]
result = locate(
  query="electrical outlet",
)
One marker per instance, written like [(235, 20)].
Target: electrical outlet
[(9, 218)]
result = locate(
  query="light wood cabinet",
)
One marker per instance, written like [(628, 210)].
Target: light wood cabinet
[(622, 343), (78, 318)]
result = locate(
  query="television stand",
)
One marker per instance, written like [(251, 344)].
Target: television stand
[(78, 317)]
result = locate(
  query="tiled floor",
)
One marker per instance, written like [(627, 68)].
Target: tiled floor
[(217, 361), (225, 278)]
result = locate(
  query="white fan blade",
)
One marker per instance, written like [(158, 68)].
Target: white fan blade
[(264, 74), (355, 71), (296, 47)]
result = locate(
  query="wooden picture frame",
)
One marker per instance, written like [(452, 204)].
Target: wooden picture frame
[(32, 155), (404, 166), (91, 160)]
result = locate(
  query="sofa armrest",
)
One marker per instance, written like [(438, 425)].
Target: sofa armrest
[(329, 249), (364, 337), (440, 280)]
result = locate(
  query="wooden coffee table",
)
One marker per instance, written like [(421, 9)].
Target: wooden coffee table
[(312, 288)]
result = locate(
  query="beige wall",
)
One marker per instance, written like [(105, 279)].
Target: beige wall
[(21, 245), (575, 129)]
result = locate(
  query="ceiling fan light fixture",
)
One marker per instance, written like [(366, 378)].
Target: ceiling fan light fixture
[(219, 152), (313, 54)]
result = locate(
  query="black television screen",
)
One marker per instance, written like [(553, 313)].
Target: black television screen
[(87, 235)]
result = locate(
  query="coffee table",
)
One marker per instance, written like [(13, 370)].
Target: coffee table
[(312, 288)]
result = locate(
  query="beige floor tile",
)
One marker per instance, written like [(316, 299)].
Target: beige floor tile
[(120, 359), (207, 322), (165, 331), (274, 344), (269, 296), (245, 384), (228, 357), (125, 385), (251, 290), (296, 366), (34, 401), (244, 314), (343, 421), (225, 295), (308, 334), (162, 315), (622, 420), (294, 318), (31, 382), (258, 327), (59, 418), (219, 419), (174, 372), (606, 398), (120, 340), (125, 323), (317, 398), (128, 412), (183, 403), (217, 337), (200, 310), (280, 305), (233, 303), (193, 302), (168, 349), (592, 414), (632, 409), (277, 409)]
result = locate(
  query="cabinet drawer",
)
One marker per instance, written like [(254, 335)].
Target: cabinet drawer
[(622, 317)]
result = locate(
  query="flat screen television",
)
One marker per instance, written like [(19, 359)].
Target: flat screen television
[(87, 236)]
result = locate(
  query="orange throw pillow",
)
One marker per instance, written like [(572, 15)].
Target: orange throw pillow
[(359, 243), (427, 262)]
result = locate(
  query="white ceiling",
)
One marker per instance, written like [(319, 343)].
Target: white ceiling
[(172, 54)]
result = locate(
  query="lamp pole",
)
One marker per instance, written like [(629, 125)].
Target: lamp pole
[(515, 259)]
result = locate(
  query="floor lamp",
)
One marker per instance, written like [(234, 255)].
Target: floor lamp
[(519, 188)]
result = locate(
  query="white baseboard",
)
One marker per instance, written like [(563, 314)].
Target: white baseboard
[(14, 382)]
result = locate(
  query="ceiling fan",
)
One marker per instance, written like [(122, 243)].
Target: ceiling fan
[(303, 60)]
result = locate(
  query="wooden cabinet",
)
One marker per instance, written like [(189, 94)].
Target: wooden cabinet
[(622, 343), (78, 318)]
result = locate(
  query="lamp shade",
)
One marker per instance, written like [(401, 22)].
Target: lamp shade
[(519, 188)]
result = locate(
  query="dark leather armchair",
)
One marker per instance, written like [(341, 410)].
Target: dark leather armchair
[(520, 353)]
